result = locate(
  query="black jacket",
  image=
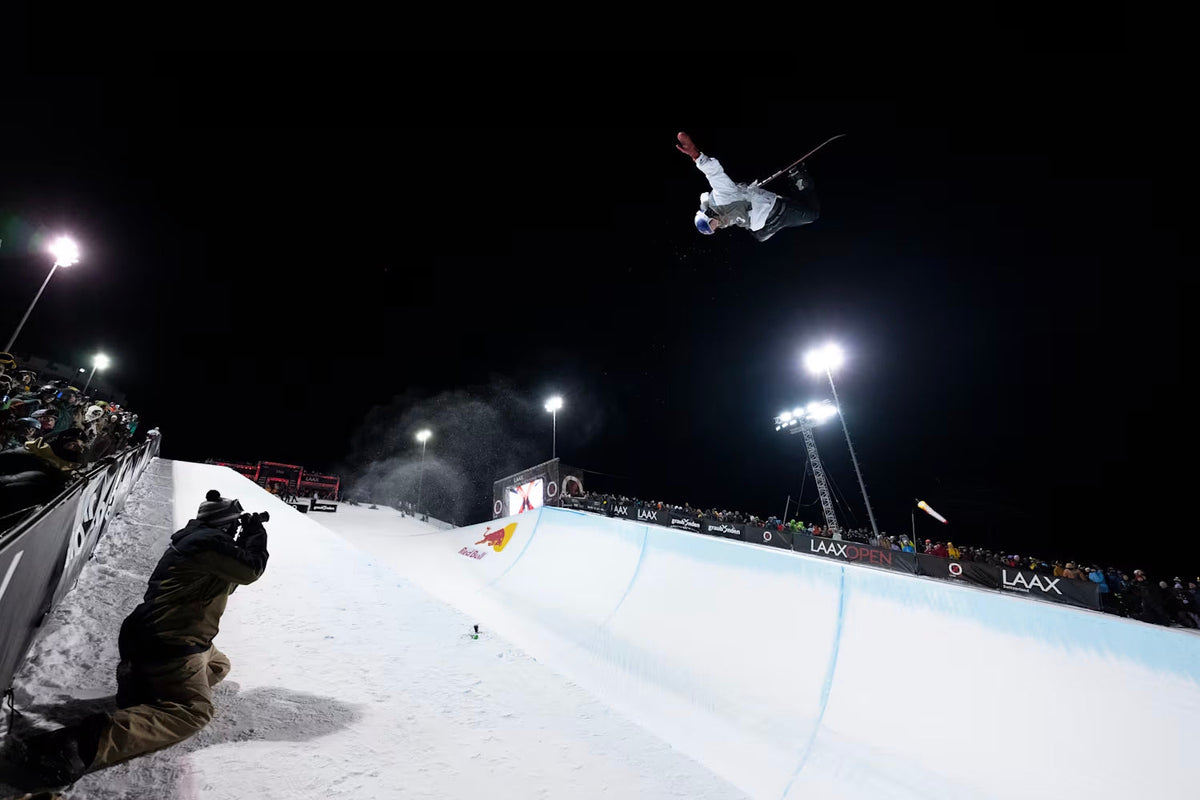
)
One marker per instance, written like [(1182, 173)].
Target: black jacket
[(181, 611), (27, 480)]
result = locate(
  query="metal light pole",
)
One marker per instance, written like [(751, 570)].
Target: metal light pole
[(65, 253), (553, 405), (422, 437), (99, 362), (825, 360)]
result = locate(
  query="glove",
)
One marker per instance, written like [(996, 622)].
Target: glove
[(687, 146)]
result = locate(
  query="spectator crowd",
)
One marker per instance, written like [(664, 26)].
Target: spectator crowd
[(49, 433), (1129, 594)]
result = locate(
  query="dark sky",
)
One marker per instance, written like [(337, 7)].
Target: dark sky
[(275, 244)]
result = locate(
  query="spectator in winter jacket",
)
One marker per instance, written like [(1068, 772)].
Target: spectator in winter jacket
[(1114, 581), (952, 551), (19, 431), (1096, 576), (940, 551), (168, 662), (1071, 572), (907, 546), (1152, 602), (33, 475)]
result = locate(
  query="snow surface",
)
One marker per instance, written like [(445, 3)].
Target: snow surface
[(667, 664), (795, 676), (347, 681)]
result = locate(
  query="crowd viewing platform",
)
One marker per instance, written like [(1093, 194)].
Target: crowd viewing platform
[(50, 433), (1124, 592)]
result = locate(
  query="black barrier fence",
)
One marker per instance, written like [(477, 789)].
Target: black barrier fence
[(42, 555), (1083, 594), (769, 536)]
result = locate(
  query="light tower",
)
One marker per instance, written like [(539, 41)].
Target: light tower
[(66, 253), (423, 438), (825, 360), (802, 420), (553, 405)]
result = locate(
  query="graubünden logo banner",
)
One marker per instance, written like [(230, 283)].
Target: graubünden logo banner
[(715, 527), (682, 522), (855, 553)]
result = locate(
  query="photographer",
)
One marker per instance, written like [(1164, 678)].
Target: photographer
[(168, 662)]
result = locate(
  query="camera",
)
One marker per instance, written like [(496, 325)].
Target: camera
[(258, 516)]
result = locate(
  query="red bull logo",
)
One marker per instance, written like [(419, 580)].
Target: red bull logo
[(496, 539)]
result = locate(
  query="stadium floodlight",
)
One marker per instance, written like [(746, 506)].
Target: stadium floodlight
[(99, 362), (553, 405), (826, 359), (423, 436), (65, 253), (808, 417)]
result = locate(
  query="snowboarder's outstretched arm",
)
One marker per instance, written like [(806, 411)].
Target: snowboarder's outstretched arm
[(724, 189)]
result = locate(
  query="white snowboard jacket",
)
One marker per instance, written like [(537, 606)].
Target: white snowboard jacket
[(745, 205)]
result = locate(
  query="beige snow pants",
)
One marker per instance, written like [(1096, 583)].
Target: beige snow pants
[(174, 700)]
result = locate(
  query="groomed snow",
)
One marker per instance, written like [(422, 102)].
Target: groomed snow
[(347, 681)]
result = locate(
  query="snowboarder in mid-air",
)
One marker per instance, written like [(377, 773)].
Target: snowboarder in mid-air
[(762, 212)]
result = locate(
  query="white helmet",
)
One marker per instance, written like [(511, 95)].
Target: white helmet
[(93, 413)]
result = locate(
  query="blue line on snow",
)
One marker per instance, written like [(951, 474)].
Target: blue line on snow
[(825, 687), (632, 578)]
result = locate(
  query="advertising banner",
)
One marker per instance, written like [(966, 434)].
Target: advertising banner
[(318, 505), (855, 553), (771, 536), (646, 514), (1041, 586), (31, 564), (594, 506), (714, 527), (682, 522)]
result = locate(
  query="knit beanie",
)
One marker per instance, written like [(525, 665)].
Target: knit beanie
[(217, 510)]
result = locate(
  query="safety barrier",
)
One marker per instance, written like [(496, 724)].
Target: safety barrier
[(42, 555), (1084, 594)]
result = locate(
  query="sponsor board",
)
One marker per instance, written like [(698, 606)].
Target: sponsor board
[(315, 505), (685, 523), (856, 553), (717, 528), (1041, 586), (654, 516), (769, 536), (497, 540), (1029, 581)]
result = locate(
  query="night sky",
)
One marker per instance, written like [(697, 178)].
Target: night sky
[(301, 259)]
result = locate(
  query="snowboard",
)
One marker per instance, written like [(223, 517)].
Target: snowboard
[(800, 160)]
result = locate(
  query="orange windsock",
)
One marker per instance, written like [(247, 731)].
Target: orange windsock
[(921, 504)]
